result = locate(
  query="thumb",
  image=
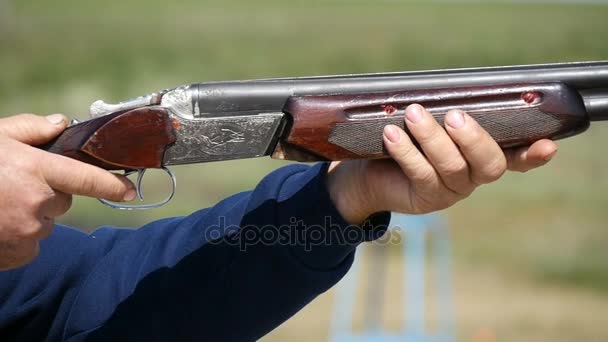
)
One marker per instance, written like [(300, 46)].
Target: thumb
[(33, 129)]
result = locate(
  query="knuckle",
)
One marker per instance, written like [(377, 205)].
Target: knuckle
[(429, 134), (404, 151), (43, 194), (471, 136), (456, 177), (454, 167), (59, 205), (34, 200), (30, 230), (26, 122), (15, 123)]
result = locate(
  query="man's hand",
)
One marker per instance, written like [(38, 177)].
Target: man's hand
[(37, 186), (449, 165)]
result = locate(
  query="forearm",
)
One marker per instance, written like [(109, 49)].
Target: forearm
[(215, 271), (247, 282)]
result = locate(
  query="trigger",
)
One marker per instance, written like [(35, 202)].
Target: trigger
[(140, 195)]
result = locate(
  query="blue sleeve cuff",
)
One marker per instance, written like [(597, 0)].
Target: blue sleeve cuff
[(324, 239)]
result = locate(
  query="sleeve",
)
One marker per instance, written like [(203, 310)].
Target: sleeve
[(232, 272)]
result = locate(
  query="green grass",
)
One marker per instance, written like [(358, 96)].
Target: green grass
[(60, 56)]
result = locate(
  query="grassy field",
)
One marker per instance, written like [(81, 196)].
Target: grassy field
[(531, 252)]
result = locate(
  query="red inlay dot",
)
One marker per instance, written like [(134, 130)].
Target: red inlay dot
[(389, 109), (531, 97)]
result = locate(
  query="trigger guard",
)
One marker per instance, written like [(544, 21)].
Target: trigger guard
[(140, 196)]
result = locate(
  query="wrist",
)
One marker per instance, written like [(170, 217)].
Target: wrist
[(347, 189)]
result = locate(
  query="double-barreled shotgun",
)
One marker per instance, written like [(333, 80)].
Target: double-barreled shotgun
[(332, 117)]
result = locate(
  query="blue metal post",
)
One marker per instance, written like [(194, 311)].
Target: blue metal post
[(416, 230)]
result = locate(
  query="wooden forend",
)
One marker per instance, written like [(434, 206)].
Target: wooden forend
[(338, 127)]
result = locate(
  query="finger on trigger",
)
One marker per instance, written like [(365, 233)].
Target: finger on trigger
[(77, 178)]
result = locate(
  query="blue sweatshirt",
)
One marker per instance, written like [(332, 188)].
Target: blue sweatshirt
[(232, 272)]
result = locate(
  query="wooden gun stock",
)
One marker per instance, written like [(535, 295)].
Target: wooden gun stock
[(128, 140), (337, 127)]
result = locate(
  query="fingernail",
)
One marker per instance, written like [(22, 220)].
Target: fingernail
[(55, 119), (129, 195), (455, 119), (392, 133), (550, 155), (413, 113)]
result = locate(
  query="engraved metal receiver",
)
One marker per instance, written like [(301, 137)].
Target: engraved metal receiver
[(328, 117), (200, 137)]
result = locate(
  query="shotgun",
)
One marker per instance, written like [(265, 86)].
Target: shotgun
[(329, 117)]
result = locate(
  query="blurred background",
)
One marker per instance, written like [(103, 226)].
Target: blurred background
[(530, 253)]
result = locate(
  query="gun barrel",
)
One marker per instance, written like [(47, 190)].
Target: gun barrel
[(576, 74), (596, 103), (266, 95)]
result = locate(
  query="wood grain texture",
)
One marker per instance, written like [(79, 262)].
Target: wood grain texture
[(339, 127), (129, 140)]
